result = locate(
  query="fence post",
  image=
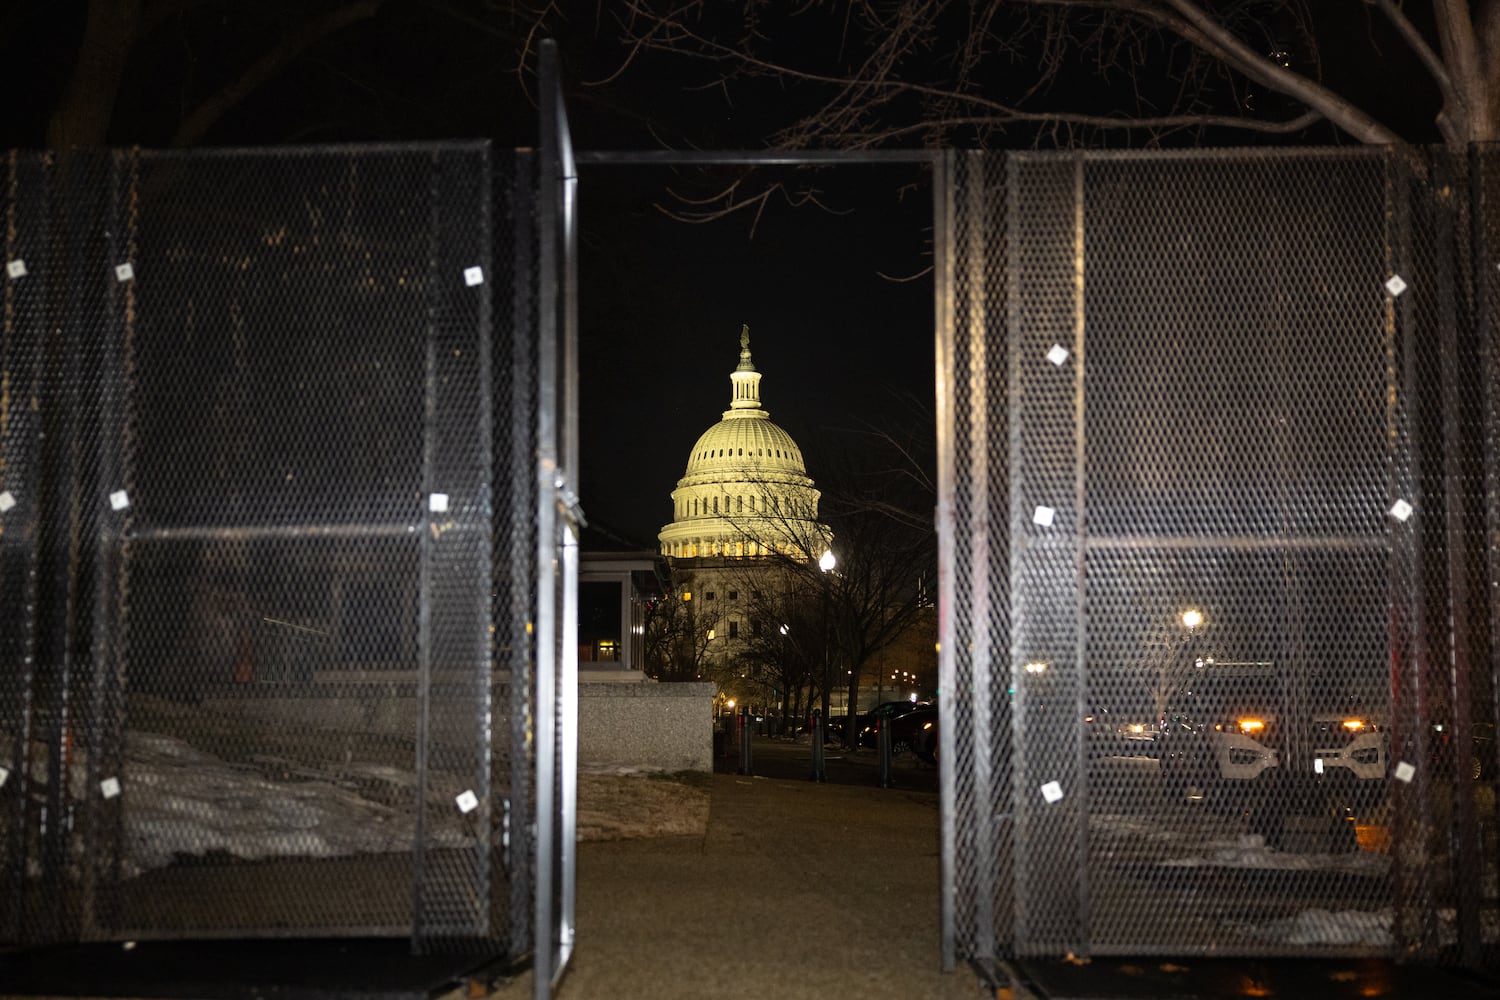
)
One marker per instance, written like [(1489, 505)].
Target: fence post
[(883, 747), (818, 771), (745, 741)]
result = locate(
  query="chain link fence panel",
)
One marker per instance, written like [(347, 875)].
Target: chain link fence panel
[(1221, 487), (265, 547)]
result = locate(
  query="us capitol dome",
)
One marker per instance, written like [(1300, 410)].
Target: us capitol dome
[(746, 493)]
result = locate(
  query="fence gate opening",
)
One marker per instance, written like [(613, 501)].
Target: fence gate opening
[(1218, 433), (268, 545)]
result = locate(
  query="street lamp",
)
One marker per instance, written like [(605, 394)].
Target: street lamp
[(1192, 618), (826, 563)]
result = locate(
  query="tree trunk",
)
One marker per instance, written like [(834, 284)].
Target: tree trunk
[(850, 736), (83, 114)]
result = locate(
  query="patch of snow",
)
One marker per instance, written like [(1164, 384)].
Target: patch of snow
[(1250, 851), (182, 801), (1341, 928)]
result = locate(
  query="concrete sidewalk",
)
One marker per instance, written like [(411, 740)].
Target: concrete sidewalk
[(800, 890), (796, 890)]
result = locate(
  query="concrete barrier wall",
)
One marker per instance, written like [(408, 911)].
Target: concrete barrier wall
[(641, 724), (667, 726)]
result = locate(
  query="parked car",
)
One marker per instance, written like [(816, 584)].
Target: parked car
[(1481, 752), (868, 724), (906, 729)]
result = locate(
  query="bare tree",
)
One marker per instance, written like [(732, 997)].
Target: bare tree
[(940, 72), (878, 503), (679, 637), (116, 30)]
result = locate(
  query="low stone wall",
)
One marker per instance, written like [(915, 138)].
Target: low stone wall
[(622, 722), (666, 726)]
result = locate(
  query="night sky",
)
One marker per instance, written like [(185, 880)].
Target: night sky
[(662, 301), (840, 346)]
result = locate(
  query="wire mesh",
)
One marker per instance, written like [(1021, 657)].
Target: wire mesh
[(268, 528), (1244, 643)]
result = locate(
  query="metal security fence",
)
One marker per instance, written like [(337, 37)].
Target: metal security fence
[(1219, 473), (268, 550)]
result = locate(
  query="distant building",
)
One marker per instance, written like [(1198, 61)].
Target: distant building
[(743, 508)]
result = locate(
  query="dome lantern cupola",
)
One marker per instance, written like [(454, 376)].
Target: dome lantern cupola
[(745, 378)]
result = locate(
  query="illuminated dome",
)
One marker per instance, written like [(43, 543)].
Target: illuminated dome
[(746, 491)]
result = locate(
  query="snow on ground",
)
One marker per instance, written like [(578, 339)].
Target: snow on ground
[(1224, 848), (1221, 846), (1340, 928), (1250, 851), (181, 801)]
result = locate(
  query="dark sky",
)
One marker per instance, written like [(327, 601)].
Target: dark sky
[(662, 303)]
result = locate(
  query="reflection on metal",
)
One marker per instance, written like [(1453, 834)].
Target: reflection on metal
[(559, 520), (1259, 431)]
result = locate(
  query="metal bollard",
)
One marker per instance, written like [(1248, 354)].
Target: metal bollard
[(883, 747), (819, 772), (745, 742)]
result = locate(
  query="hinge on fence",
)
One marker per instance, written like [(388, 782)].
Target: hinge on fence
[(568, 500)]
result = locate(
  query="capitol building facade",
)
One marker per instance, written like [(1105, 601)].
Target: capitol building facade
[(744, 510)]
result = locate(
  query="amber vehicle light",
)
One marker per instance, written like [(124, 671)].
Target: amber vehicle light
[(1251, 725)]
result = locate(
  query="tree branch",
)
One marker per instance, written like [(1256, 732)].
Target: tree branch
[(1418, 44), (1466, 112), (82, 115), (206, 114), (1211, 36)]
